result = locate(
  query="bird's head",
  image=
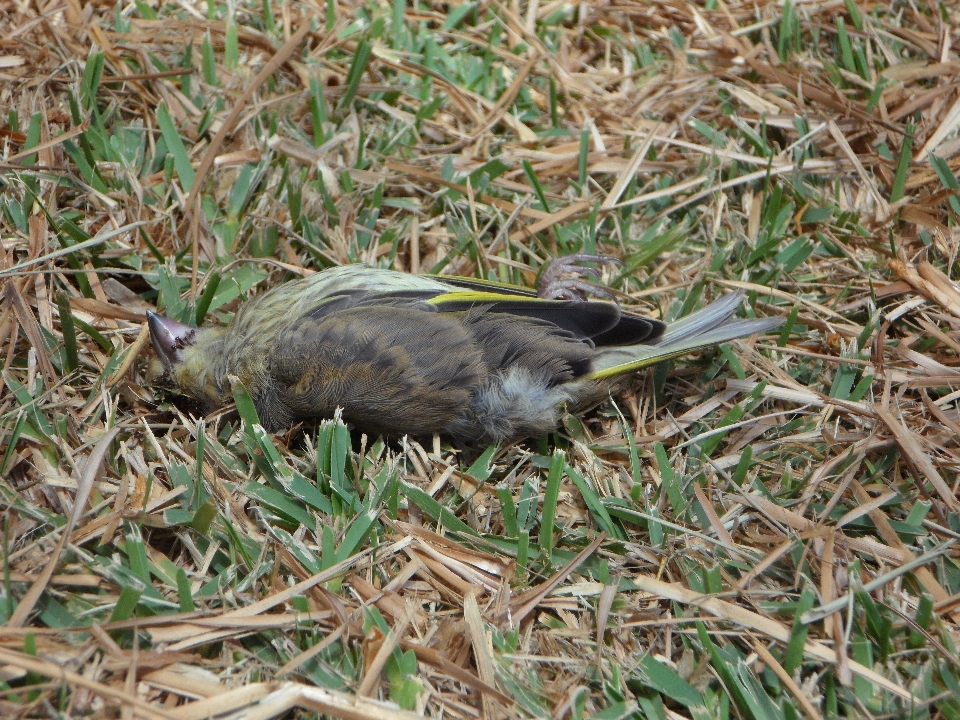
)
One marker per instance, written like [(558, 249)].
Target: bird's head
[(185, 359), (170, 338)]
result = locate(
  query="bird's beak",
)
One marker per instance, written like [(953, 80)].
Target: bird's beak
[(169, 338)]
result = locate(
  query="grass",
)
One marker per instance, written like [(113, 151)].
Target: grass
[(762, 531)]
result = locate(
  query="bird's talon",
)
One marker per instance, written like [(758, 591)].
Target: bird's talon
[(552, 285)]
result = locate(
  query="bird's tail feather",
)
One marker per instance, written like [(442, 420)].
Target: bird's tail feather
[(711, 325)]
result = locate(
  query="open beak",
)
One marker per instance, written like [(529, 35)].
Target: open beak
[(169, 338)]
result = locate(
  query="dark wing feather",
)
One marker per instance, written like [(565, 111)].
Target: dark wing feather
[(589, 319), (631, 330), (585, 319)]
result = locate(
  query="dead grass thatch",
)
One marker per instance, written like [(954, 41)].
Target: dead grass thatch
[(765, 531)]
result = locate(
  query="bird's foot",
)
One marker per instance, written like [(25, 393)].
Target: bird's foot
[(551, 285)]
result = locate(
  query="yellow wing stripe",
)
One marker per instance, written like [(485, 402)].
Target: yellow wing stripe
[(628, 367), (478, 296)]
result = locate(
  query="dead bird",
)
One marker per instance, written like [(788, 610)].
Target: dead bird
[(476, 361)]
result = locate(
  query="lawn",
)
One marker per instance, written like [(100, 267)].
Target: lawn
[(762, 530)]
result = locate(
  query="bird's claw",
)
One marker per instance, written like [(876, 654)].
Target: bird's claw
[(576, 289), (551, 285)]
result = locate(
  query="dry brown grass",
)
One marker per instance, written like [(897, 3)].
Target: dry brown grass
[(767, 533)]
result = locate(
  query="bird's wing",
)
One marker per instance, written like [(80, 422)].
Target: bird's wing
[(585, 319), (630, 328), (711, 325)]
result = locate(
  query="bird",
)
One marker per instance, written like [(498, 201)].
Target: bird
[(478, 362)]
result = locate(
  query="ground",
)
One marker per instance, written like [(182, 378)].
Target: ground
[(762, 530)]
